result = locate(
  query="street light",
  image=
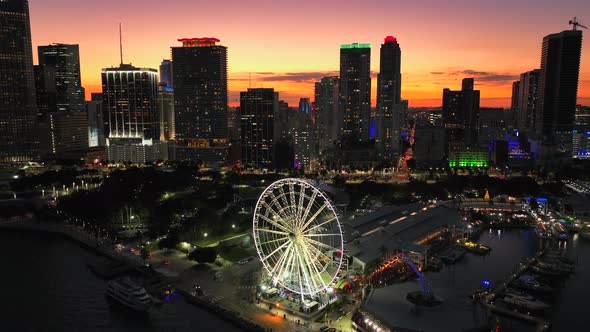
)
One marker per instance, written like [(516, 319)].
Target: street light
[(205, 234)]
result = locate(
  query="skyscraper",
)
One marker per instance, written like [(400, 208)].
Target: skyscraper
[(355, 93), (258, 108), (166, 108), (166, 73), (17, 86), (63, 61), (326, 111), (130, 102), (558, 89), (460, 113), (389, 99), (200, 100), (96, 121), (515, 96), (527, 101)]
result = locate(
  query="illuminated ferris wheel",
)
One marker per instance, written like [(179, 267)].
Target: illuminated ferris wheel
[(298, 236)]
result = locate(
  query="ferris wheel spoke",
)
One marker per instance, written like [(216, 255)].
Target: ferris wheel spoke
[(299, 210), (279, 265), (304, 268), (318, 250), (292, 197), (273, 222), (320, 225), (279, 248), (283, 196), (309, 206), (308, 222), (276, 213), (318, 243), (275, 240), (266, 230), (276, 224), (313, 261), (320, 235)]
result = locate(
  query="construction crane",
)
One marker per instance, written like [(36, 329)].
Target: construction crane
[(577, 24)]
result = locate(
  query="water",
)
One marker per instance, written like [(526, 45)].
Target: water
[(454, 283), (46, 286)]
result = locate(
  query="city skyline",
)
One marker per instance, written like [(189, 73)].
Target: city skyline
[(290, 61)]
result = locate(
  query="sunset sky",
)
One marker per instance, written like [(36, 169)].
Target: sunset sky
[(288, 45)]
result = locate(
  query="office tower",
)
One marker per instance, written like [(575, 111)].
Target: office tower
[(284, 136), (94, 111), (581, 133), (166, 73), (17, 85), (200, 100), (166, 109), (62, 133), (326, 111), (305, 144), (527, 101), (63, 62), (258, 108), (429, 145), (45, 88), (130, 102), (558, 88), (388, 127), (515, 97), (304, 105), (494, 124), (355, 93), (460, 113)]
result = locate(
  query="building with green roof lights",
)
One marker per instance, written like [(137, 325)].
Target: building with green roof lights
[(354, 45)]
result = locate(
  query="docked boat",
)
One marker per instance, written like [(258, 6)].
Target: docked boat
[(129, 294), (475, 248), (559, 232), (452, 255), (542, 231), (525, 302), (558, 267), (546, 272), (529, 282)]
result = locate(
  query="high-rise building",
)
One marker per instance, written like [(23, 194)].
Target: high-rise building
[(581, 133), (62, 133), (17, 85), (130, 102), (304, 105), (326, 111), (388, 128), (305, 144), (355, 93), (284, 135), (166, 109), (63, 61), (200, 100), (460, 113), (257, 110), (166, 73), (94, 111), (558, 89), (527, 101), (515, 96)]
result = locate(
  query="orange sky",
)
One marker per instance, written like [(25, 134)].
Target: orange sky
[(289, 45)]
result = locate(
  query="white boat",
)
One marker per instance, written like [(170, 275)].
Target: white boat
[(525, 302), (129, 294)]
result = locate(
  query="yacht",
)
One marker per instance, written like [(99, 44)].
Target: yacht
[(542, 231), (525, 302), (559, 232), (129, 294), (529, 282)]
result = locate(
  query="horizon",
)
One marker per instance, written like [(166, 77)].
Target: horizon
[(294, 56)]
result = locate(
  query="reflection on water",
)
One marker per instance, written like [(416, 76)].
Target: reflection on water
[(46, 286)]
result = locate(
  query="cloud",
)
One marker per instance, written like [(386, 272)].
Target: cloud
[(437, 72), (299, 77), (487, 76)]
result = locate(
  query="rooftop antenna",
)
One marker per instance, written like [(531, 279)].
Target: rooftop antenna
[(121, 43), (577, 24)]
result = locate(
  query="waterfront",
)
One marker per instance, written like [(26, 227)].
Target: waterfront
[(455, 282), (47, 287)]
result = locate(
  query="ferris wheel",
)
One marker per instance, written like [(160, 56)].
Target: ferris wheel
[(298, 236)]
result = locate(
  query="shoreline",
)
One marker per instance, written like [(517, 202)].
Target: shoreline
[(235, 318)]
